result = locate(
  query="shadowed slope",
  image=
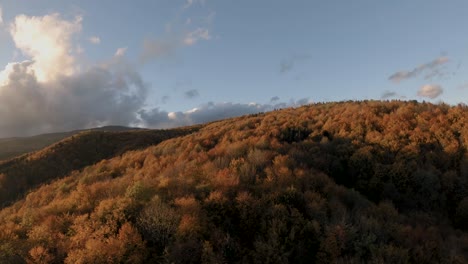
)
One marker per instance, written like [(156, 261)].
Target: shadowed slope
[(15, 146), (20, 174)]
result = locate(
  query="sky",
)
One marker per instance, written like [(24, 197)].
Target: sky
[(69, 64)]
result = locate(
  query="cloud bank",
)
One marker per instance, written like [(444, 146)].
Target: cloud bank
[(208, 112)]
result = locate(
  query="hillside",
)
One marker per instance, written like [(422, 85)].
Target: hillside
[(350, 182), (16, 146), (23, 173)]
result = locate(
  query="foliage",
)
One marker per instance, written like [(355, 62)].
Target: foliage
[(349, 182)]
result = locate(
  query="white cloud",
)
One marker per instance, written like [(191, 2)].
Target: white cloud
[(94, 40), (430, 90), (120, 52), (47, 40), (48, 93), (196, 35), (1, 15)]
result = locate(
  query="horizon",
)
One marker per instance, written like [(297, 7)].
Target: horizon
[(163, 64)]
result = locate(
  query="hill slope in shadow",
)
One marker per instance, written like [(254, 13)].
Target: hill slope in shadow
[(16, 146)]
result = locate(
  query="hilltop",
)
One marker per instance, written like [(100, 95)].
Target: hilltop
[(348, 182)]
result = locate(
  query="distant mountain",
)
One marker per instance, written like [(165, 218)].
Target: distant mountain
[(348, 182), (15, 146)]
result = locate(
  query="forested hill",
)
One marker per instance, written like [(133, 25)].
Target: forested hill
[(21, 174), (349, 182), (16, 146)]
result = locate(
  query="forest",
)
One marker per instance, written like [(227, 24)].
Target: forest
[(341, 182)]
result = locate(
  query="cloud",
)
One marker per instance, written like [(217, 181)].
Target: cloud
[(189, 3), (120, 52), (388, 94), (287, 64), (94, 40), (48, 92), (430, 90), (51, 91), (404, 75), (1, 15), (165, 98), (47, 41), (274, 99), (157, 48), (191, 94), (157, 118), (196, 35)]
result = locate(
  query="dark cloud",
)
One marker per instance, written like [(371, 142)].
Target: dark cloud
[(165, 98), (288, 64), (431, 91), (274, 99), (191, 94), (404, 75), (99, 96), (388, 94)]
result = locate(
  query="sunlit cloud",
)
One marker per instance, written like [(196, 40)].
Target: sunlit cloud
[(430, 91), (51, 91), (120, 52), (47, 41)]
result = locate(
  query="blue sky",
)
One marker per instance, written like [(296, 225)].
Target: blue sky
[(204, 59)]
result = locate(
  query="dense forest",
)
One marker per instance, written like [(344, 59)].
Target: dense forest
[(347, 182)]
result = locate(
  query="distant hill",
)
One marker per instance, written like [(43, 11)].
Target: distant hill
[(20, 174), (347, 182), (15, 146)]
